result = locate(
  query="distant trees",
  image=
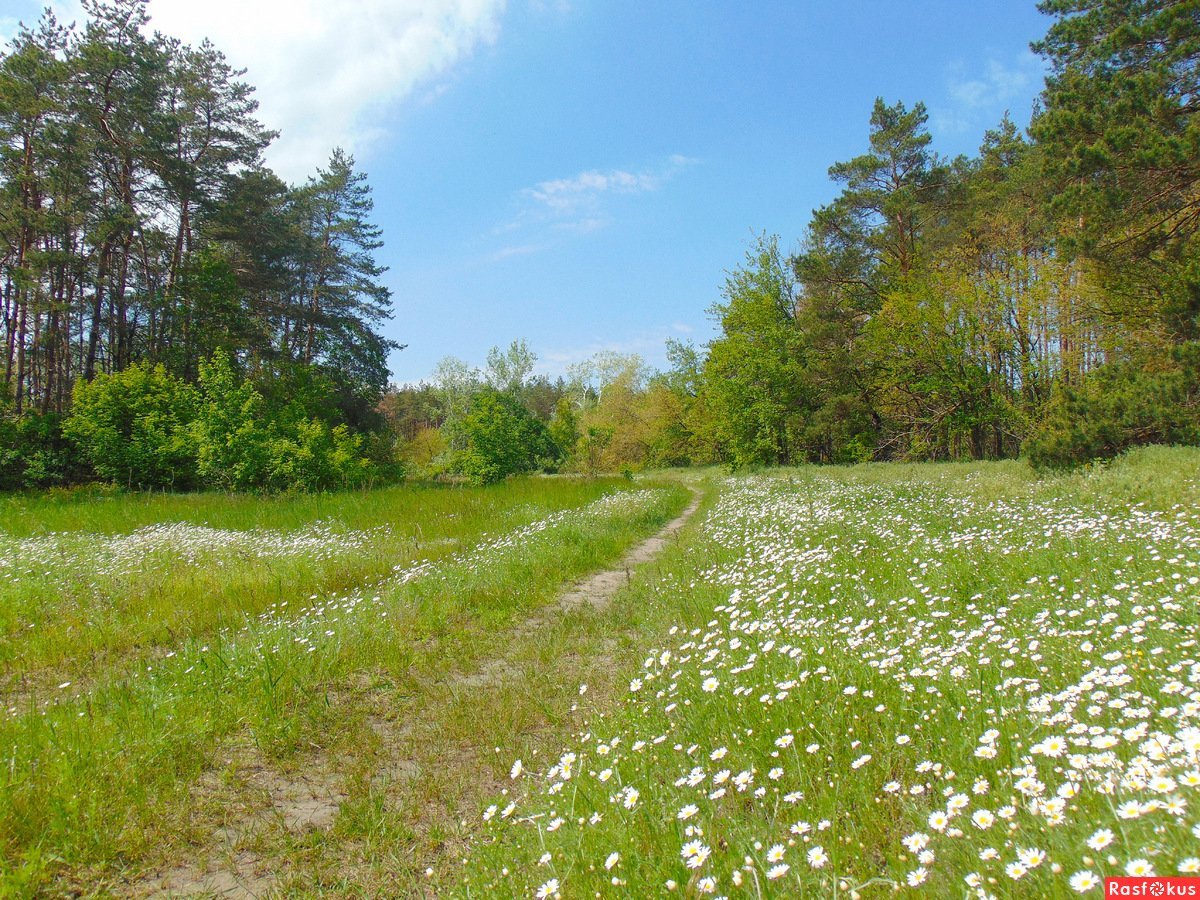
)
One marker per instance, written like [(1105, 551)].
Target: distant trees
[(172, 314), (1041, 298), (140, 232)]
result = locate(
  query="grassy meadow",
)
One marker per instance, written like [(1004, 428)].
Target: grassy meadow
[(175, 665), (949, 680)]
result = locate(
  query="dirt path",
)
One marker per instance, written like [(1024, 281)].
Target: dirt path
[(598, 590), (595, 591), (233, 870)]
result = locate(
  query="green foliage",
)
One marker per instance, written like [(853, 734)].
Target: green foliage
[(500, 437), (1121, 134), (1120, 124), (1119, 406), (34, 452), (563, 429), (753, 379), (592, 445), (245, 445), (314, 457), (233, 438), (142, 226), (134, 428)]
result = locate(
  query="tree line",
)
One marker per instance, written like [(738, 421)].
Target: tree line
[(143, 239), (1041, 298), (174, 314)]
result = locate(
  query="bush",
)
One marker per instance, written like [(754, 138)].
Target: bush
[(500, 437), (135, 427), (315, 457), (34, 453), (231, 431)]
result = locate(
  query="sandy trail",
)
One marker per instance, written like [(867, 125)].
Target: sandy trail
[(313, 802)]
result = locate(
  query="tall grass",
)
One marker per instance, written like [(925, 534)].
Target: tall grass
[(101, 784), (89, 582)]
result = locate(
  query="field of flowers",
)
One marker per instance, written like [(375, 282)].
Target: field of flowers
[(945, 680), (152, 668)]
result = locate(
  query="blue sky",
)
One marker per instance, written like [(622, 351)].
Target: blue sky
[(581, 174)]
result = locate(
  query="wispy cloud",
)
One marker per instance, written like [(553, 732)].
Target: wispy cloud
[(566, 195), (974, 96), (582, 203), (516, 250)]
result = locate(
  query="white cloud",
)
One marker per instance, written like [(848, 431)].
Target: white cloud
[(515, 250), (579, 202), (326, 72), (576, 205), (585, 189)]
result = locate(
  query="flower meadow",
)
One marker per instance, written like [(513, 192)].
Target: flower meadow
[(322, 622), (63, 558), (132, 765), (942, 680)]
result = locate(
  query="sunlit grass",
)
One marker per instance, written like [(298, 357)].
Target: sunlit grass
[(90, 581), (102, 777)]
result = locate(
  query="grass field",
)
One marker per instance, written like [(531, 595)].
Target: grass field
[(178, 666), (941, 679)]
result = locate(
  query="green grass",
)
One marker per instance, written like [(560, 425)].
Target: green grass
[(73, 603), (265, 665), (953, 599), (842, 640)]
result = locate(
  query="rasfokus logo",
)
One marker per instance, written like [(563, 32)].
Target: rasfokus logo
[(1152, 886)]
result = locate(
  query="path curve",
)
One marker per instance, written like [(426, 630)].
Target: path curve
[(242, 881)]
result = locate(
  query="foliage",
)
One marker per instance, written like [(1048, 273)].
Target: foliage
[(563, 429), (499, 437), (244, 444), (754, 374), (311, 456), (34, 452), (134, 427), (1119, 406), (139, 226), (233, 438)]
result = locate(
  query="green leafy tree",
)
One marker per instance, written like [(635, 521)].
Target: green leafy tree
[(753, 380), (344, 299), (134, 427), (500, 437), (1121, 134), (1121, 405), (311, 456), (233, 436), (564, 429)]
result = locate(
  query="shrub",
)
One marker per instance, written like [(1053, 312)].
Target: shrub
[(231, 431), (134, 427), (34, 452), (500, 437), (315, 457)]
